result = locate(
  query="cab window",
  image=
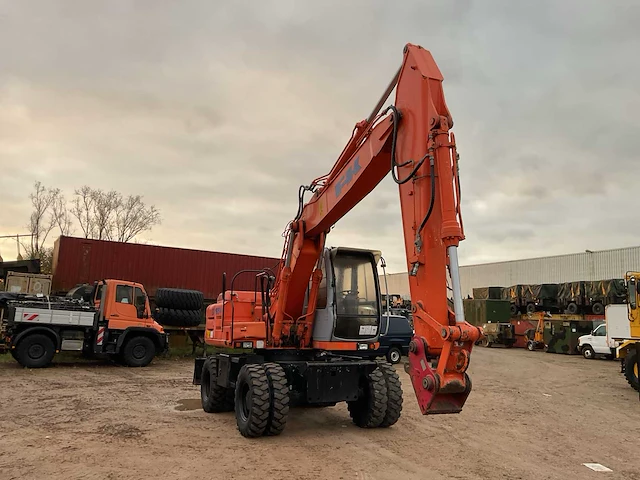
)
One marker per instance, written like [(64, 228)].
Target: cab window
[(124, 294), (140, 301), (601, 331), (140, 298)]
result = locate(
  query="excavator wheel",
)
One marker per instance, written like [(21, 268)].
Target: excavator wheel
[(215, 399), (279, 399), (631, 370), (394, 394), (371, 407), (252, 400)]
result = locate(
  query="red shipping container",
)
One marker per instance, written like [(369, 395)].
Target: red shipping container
[(522, 326), (80, 260)]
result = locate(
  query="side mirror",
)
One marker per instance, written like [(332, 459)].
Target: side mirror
[(632, 289)]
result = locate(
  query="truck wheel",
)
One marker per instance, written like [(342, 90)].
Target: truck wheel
[(279, 399), (370, 408), (394, 355), (531, 308), (214, 398), (138, 351), (531, 346), (572, 308), (597, 308), (631, 370), (588, 353), (35, 351), (514, 310), (394, 394), (252, 400)]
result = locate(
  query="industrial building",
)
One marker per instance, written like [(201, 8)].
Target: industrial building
[(588, 265)]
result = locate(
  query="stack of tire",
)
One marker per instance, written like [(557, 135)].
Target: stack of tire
[(178, 307)]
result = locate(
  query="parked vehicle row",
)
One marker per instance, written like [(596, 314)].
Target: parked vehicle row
[(590, 297)]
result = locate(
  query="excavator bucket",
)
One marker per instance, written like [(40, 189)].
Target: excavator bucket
[(434, 398)]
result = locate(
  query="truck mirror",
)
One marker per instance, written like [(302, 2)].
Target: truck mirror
[(632, 293)]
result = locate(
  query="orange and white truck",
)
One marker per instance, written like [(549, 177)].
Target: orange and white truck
[(117, 322)]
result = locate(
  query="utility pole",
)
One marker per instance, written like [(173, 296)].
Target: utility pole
[(17, 236)]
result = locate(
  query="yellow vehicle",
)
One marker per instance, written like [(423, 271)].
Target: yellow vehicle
[(629, 349)]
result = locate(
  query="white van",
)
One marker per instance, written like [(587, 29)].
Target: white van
[(604, 339)]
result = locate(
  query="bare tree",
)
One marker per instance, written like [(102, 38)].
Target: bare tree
[(61, 215), (82, 209), (134, 217), (105, 205), (41, 221), (110, 216)]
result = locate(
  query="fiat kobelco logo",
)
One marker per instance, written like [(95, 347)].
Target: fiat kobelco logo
[(345, 179)]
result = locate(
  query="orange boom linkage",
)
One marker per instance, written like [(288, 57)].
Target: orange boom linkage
[(304, 333), (411, 140)]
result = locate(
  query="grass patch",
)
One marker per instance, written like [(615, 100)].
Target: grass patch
[(6, 358)]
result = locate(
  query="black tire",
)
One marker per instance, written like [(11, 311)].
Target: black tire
[(572, 308), (531, 308), (394, 355), (178, 318), (597, 308), (531, 346), (179, 299), (370, 408), (138, 351), (35, 351), (514, 310), (252, 400), (394, 394), (214, 398), (630, 370), (279, 399), (588, 352)]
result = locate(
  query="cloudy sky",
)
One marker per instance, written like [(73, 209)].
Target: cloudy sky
[(215, 112)]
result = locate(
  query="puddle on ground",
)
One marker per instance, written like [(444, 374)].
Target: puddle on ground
[(187, 404)]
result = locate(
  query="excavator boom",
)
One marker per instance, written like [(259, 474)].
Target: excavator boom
[(412, 140)]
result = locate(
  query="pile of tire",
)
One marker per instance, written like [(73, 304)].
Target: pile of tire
[(178, 307)]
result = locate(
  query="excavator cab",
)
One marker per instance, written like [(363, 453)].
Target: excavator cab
[(348, 306)]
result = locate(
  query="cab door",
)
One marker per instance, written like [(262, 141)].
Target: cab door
[(122, 312), (599, 339)]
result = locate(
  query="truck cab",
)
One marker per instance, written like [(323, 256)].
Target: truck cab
[(597, 343), (126, 305), (116, 322)]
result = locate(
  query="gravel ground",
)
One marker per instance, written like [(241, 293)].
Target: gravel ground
[(531, 415)]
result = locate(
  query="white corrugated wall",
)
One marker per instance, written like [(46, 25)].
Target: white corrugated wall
[(596, 265), (398, 283)]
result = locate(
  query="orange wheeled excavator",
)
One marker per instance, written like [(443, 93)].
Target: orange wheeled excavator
[(295, 339)]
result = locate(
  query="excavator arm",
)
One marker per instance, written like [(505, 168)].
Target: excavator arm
[(412, 140)]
